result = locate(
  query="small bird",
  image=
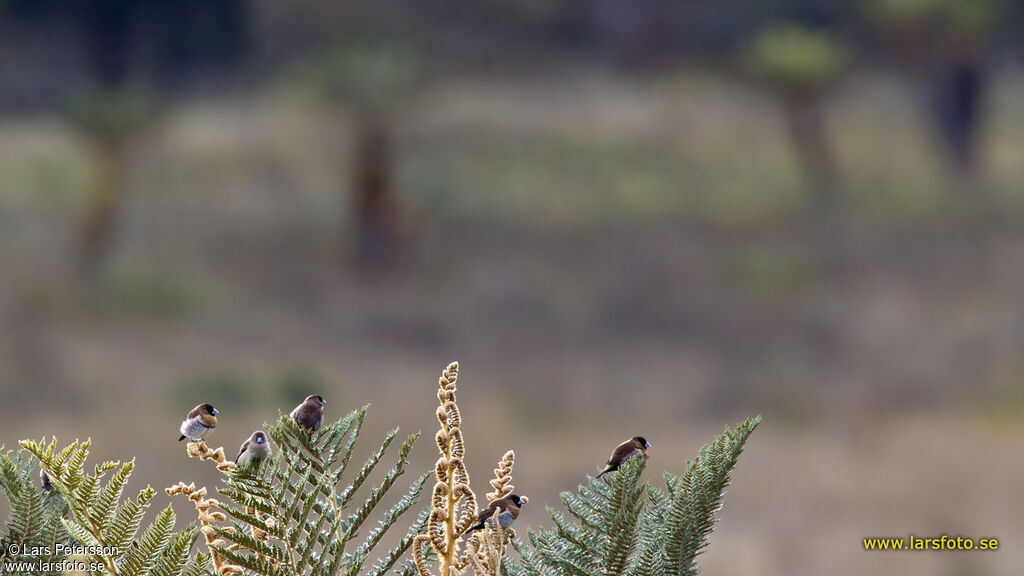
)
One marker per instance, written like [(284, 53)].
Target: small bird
[(199, 422), (310, 414), (625, 451), (44, 480), (509, 507), (254, 450)]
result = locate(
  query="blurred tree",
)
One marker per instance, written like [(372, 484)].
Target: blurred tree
[(109, 118), (129, 42), (801, 64), (947, 42), (366, 79), (108, 114)]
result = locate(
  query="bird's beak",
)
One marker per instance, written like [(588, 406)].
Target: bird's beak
[(648, 445), (524, 499), (215, 411)]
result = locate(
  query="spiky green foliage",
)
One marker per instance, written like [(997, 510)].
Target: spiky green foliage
[(34, 524), (311, 519), (109, 527), (619, 525)]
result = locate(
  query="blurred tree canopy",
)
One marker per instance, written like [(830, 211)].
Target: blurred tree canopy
[(185, 44)]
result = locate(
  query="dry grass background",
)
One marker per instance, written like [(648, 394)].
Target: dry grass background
[(604, 257)]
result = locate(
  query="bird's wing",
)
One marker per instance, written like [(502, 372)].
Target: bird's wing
[(489, 511), (622, 451), (245, 446)]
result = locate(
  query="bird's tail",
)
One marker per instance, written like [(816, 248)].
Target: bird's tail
[(603, 472), (182, 438)]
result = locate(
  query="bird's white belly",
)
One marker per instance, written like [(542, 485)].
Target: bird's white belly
[(194, 428)]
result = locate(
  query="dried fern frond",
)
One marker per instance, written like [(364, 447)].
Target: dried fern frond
[(209, 516), (453, 503), (203, 452), (502, 482), (489, 544)]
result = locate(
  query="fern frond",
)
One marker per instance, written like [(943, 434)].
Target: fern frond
[(356, 520), (697, 495), (96, 517), (287, 512), (618, 525), (388, 561), (34, 518), (172, 560), (141, 559)]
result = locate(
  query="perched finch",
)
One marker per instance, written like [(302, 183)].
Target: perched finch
[(626, 450)]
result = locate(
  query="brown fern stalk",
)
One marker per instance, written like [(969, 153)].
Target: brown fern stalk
[(453, 503), (208, 517)]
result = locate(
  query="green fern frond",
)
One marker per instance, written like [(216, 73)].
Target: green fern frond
[(392, 557), (198, 565), (697, 495), (141, 559), (175, 554), (34, 520), (288, 512), (601, 534), (129, 517), (96, 517), (388, 520), (621, 526)]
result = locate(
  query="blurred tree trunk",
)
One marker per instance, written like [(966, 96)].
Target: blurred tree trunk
[(808, 132), (950, 66), (105, 198), (108, 35), (374, 205), (960, 84)]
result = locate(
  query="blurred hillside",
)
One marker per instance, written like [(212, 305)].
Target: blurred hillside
[(611, 216)]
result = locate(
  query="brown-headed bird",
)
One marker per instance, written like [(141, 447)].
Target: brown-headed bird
[(310, 414), (625, 451), (254, 450), (44, 481), (507, 508), (199, 422)]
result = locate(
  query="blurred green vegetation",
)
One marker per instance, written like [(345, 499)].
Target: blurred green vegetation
[(113, 113), (297, 383), (768, 273), (363, 73), (222, 389), (795, 57), (138, 288), (715, 158), (977, 16)]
